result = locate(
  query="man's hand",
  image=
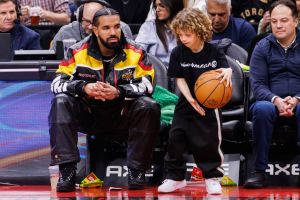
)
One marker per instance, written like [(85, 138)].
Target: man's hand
[(292, 103), (101, 91), (283, 106), (25, 13), (265, 22), (44, 14), (93, 91), (108, 91)]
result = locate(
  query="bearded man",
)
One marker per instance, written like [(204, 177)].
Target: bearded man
[(104, 87)]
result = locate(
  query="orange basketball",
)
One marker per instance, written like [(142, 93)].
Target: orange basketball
[(210, 92)]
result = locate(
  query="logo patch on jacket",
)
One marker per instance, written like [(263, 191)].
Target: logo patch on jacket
[(127, 75), (83, 75)]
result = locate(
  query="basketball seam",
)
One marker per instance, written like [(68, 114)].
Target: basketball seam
[(207, 94), (203, 84), (211, 93)]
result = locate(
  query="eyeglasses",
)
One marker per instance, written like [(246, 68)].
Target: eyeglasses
[(86, 21)]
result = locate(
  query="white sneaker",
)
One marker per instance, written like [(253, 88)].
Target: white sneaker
[(169, 185), (213, 186)]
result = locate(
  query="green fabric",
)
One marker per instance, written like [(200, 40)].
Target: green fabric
[(167, 101), (245, 68)]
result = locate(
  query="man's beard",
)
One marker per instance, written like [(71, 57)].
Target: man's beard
[(114, 45)]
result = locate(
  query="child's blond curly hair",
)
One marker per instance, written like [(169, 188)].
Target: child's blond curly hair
[(193, 20)]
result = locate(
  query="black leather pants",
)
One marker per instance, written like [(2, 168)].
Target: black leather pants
[(70, 115)]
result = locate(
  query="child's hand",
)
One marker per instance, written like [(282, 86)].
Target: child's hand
[(226, 73), (196, 106), (184, 89)]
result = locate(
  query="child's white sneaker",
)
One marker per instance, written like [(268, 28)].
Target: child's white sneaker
[(213, 186), (169, 185)]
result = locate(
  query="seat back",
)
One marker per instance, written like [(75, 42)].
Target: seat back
[(6, 50), (284, 132), (238, 86), (47, 33), (232, 50), (233, 114), (238, 53)]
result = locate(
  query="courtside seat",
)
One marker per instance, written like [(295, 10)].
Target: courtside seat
[(101, 152), (231, 49), (283, 150), (237, 53), (284, 139), (47, 33), (235, 107), (160, 79), (284, 132), (233, 114)]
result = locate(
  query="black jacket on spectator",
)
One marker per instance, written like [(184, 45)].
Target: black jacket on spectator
[(250, 10), (24, 38), (132, 11)]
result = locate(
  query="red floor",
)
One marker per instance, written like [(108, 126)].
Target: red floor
[(192, 191)]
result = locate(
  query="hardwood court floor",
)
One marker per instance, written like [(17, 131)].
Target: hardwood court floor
[(192, 191)]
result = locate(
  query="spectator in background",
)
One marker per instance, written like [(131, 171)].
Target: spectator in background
[(275, 82), (52, 11), (238, 30), (264, 24), (155, 35), (250, 10), (21, 36), (132, 11), (73, 7), (298, 6), (200, 4), (83, 27)]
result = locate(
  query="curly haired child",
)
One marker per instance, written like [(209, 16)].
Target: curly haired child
[(194, 127)]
